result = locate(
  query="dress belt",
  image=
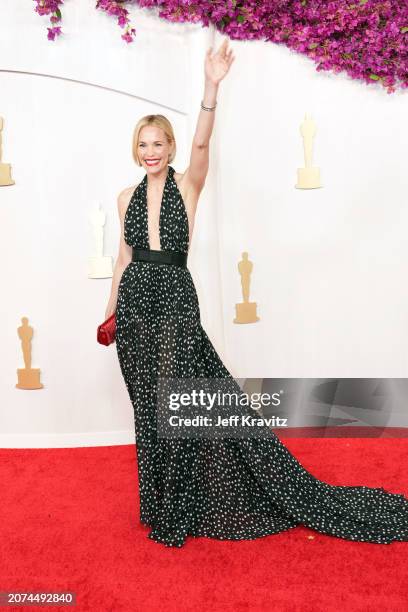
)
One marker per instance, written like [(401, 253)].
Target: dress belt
[(153, 256)]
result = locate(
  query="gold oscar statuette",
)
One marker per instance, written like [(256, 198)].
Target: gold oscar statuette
[(5, 169), (28, 377), (309, 176), (246, 310)]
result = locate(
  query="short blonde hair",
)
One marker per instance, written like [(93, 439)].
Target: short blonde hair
[(159, 121)]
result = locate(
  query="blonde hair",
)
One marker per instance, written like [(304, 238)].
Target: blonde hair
[(159, 121)]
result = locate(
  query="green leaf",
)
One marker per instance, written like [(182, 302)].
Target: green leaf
[(404, 29), (241, 18), (58, 13), (313, 45), (374, 77)]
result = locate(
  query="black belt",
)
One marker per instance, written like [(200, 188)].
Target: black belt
[(167, 257)]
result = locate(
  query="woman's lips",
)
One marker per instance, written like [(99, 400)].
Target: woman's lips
[(152, 162)]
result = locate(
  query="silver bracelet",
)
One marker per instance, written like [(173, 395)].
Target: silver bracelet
[(208, 108)]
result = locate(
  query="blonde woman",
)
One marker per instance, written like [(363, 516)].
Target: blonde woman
[(230, 487)]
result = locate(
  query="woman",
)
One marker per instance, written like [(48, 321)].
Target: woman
[(229, 488)]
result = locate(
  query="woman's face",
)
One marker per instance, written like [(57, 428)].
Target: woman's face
[(153, 149)]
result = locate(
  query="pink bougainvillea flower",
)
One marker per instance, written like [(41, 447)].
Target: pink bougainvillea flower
[(365, 39), (53, 32), (116, 8), (47, 7)]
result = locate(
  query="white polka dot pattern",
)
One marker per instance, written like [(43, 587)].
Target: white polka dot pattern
[(230, 488)]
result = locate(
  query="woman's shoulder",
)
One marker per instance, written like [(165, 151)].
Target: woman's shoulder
[(181, 179), (125, 196), (127, 193)]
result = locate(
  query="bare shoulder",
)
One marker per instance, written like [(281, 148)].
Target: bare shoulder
[(124, 198)]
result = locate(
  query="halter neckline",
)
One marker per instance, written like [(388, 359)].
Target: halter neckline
[(173, 220), (170, 172), (169, 175)]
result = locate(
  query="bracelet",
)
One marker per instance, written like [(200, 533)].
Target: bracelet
[(208, 108)]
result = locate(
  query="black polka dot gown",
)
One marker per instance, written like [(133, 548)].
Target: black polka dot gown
[(230, 488)]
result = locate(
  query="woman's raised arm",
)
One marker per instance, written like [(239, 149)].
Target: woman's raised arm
[(216, 66)]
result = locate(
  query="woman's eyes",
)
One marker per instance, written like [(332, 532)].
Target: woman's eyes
[(158, 145)]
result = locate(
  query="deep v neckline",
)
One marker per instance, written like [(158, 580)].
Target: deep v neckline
[(160, 210)]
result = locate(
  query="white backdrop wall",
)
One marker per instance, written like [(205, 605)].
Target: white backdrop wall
[(329, 264)]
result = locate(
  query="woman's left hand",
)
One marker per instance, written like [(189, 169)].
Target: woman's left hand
[(218, 64)]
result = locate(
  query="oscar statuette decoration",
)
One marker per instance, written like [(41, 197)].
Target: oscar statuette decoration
[(100, 266), (28, 377), (309, 176), (5, 169), (246, 310)]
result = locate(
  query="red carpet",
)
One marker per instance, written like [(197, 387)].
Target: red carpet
[(69, 522)]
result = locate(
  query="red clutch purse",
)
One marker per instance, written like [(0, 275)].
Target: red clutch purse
[(107, 331)]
